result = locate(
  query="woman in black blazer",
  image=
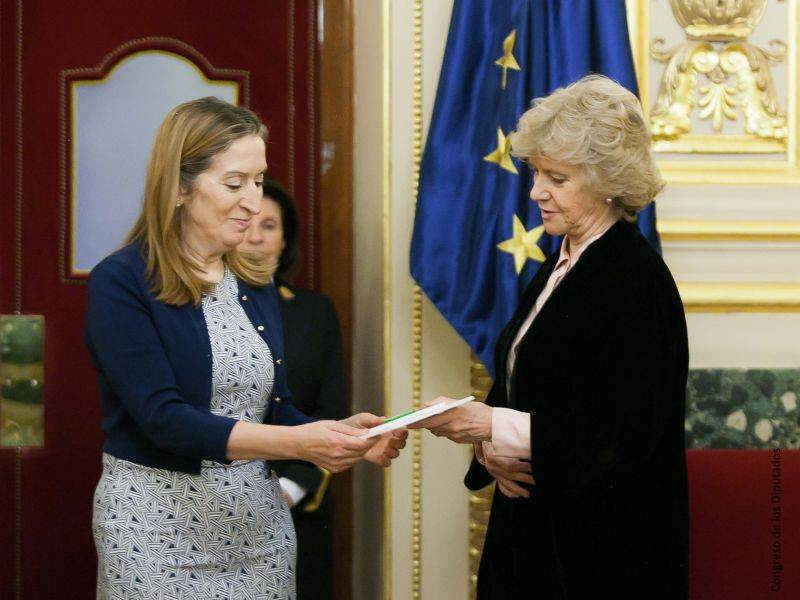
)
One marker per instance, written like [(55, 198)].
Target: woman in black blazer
[(315, 370), (583, 429)]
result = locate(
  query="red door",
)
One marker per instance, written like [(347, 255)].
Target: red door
[(263, 49)]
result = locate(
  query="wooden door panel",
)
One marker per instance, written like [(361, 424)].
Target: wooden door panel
[(45, 521)]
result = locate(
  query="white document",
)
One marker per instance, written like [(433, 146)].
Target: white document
[(407, 418)]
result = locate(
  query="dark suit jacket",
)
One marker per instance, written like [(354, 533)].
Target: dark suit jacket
[(602, 371), (315, 369), (153, 364)]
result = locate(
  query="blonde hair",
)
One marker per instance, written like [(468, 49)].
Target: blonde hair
[(597, 125), (190, 136)]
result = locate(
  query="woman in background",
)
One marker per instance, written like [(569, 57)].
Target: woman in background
[(316, 375)]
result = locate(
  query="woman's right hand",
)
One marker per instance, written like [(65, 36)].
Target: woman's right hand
[(508, 472), (332, 445)]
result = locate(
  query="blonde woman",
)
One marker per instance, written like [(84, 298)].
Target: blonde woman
[(186, 337), (583, 428)]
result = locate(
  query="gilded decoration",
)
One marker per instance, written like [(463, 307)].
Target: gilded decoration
[(416, 318), (717, 72), (480, 502), (718, 78)]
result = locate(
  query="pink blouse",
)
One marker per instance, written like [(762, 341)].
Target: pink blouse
[(511, 429)]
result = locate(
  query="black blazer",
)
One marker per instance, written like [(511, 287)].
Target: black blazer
[(602, 370), (315, 372)]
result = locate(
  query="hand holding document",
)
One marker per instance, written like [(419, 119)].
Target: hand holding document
[(410, 417), (388, 447), (463, 423)]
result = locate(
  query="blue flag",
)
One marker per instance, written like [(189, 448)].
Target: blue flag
[(477, 238)]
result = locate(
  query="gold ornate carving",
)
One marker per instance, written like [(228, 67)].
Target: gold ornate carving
[(480, 502), (718, 20), (725, 77), (783, 168)]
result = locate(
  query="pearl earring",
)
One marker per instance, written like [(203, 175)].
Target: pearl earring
[(178, 204), (609, 201)]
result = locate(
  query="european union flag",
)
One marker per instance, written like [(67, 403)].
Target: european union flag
[(478, 238)]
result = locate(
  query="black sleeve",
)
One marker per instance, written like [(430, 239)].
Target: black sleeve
[(305, 474), (633, 399), (477, 476), (330, 402)]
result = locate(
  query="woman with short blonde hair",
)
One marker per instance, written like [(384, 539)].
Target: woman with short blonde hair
[(582, 430), (598, 125), (186, 337)]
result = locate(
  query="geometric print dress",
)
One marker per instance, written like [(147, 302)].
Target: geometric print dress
[(225, 533)]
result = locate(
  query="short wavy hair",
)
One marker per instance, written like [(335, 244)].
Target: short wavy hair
[(597, 125)]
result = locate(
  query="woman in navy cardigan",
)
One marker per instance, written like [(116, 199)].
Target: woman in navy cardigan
[(185, 334)]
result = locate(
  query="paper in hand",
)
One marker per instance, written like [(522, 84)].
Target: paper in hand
[(407, 418)]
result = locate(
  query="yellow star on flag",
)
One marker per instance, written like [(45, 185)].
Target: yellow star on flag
[(522, 245), (502, 156), (507, 61)]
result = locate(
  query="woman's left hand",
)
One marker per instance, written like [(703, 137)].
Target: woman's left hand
[(363, 420), (390, 444), (508, 472), (387, 448), (471, 422)]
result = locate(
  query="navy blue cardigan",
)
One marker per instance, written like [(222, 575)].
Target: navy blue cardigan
[(154, 367)]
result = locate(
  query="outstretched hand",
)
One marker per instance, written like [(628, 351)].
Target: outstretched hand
[(332, 445), (466, 424), (363, 420), (387, 446)]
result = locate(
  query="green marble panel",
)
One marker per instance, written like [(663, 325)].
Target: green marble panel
[(755, 408), (21, 380)]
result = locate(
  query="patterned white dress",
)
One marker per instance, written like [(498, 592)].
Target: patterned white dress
[(225, 533)]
